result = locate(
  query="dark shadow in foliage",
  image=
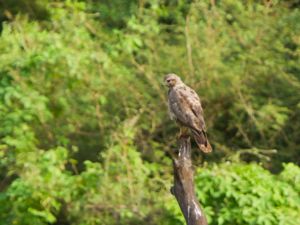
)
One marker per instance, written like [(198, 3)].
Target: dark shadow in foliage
[(113, 14), (34, 9)]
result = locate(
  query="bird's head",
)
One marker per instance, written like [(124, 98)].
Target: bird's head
[(172, 80)]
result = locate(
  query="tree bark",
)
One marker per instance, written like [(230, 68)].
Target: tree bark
[(183, 188)]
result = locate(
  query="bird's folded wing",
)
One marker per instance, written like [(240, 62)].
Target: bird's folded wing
[(193, 107)]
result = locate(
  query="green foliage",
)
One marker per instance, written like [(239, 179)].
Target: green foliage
[(118, 190), (248, 194), (291, 174), (84, 126), (35, 197)]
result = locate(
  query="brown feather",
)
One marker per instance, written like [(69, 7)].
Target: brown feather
[(201, 140)]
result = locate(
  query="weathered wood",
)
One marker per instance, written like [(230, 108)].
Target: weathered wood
[(183, 188)]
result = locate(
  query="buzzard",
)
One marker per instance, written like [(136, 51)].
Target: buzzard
[(185, 108)]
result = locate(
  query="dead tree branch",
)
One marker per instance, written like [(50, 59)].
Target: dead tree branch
[(183, 188)]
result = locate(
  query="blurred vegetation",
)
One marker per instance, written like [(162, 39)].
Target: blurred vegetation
[(85, 136)]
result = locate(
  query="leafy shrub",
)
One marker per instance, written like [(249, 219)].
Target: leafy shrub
[(248, 194)]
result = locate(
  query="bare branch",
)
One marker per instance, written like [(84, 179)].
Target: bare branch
[(183, 188)]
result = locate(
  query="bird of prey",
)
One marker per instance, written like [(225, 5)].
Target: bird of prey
[(185, 108)]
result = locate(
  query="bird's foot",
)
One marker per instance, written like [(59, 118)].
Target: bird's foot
[(182, 135)]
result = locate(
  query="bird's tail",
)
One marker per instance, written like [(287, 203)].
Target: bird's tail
[(202, 140)]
